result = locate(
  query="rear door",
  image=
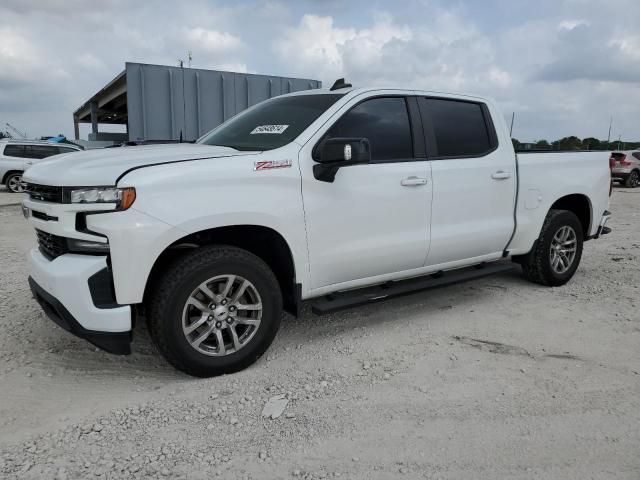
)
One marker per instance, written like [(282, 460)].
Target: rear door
[(474, 181), (372, 219)]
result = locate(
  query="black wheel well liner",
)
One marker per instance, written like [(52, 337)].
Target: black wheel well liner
[(10, 172), (263, 242), (580, 205)]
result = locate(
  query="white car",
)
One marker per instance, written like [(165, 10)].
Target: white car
[(344, 196), (18, 155), (626, 167)]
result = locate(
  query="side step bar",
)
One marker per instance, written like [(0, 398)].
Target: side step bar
[(335, 302)]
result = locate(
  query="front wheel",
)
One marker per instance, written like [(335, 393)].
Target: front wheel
[(14, 183), (216, 310), (557, 252), (633, 180)]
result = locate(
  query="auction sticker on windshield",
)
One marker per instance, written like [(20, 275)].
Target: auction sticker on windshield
[(277, 129)]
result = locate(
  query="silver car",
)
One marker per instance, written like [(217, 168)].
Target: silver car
[(625, 167), (18, 155)]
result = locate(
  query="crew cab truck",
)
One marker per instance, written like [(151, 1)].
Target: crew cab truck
[(300, 196)]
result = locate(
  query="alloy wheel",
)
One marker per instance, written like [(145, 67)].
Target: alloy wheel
[(15, 184), (222, 315), (563, 249)]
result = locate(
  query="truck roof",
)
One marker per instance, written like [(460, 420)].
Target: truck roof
[(353, 91)]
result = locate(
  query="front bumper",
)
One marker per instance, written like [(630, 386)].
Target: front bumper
[(62, 288)]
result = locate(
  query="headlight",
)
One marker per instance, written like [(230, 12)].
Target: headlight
[(122, 197)]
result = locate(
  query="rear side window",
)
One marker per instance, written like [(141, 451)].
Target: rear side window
[(66, 150), (384, 122), (14, 151), (636, 155), (459, 128), (41, 151)]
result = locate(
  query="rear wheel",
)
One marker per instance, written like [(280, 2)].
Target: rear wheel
[(557, 252), (633, 180), (14, 182), (215, 311)]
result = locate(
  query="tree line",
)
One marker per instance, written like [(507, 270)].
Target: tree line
[(575, 143)]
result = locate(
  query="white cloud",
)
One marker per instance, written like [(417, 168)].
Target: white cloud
[(212, 40), (571, 24), (564, 66)]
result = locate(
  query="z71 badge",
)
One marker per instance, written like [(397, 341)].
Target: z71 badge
[(271, 164)]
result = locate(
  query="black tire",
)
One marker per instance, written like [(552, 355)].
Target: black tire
[(10, 182), (170, 292), (536, 265), (632, 180)]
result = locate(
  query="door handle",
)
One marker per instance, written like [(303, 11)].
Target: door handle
[(413, 181), (500, 175)]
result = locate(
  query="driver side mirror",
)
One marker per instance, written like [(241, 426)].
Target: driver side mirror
[(335, 153)]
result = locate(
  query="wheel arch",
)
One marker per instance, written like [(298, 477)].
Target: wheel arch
[(264, 242), (10, 172), (580, 205)]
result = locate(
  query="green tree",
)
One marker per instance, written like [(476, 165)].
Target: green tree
[(542, 145), (568, 143), (591, 143)]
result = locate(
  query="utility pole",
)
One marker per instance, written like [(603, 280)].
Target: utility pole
[(610, 123), (619, 137), (190, 58), (513, 116)]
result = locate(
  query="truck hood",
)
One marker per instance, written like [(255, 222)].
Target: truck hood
[(106, 165)]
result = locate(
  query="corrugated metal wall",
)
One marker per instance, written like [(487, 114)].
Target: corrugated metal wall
[(162, 101)]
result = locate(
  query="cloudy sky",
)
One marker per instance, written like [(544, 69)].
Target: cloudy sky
[(564, 66)]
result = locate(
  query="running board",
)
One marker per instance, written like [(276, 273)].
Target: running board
[(335, 302)]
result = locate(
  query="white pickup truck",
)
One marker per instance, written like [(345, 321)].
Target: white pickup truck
[(340, 195)]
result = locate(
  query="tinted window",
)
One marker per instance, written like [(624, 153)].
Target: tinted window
[(270, 124), (385, 122), (636, 154), (459, 128), (41, 151), (14, 151), (66, 150)]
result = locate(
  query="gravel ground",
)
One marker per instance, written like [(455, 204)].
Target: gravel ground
[(493, 379)]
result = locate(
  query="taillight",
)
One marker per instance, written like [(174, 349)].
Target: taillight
[(612, 163)]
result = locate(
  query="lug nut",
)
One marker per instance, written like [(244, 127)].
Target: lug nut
[(218, 324), (232, 308), (210, 317), (224, 302), (229, 320)]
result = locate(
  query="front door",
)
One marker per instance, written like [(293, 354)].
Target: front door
[(372, 219)]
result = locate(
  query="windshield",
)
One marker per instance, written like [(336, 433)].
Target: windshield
[(270, 124)]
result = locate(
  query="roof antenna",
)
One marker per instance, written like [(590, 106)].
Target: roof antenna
[(340, 83)]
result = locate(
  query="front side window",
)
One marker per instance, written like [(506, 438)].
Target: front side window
[(270, 124), (459, 127), (384, 122), (14, 151)]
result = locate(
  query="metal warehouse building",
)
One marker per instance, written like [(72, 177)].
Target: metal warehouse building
[(158, 102)]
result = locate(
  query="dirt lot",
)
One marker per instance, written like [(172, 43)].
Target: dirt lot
[(493, 379)]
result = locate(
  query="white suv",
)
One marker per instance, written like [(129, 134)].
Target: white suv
[(18, 155)]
